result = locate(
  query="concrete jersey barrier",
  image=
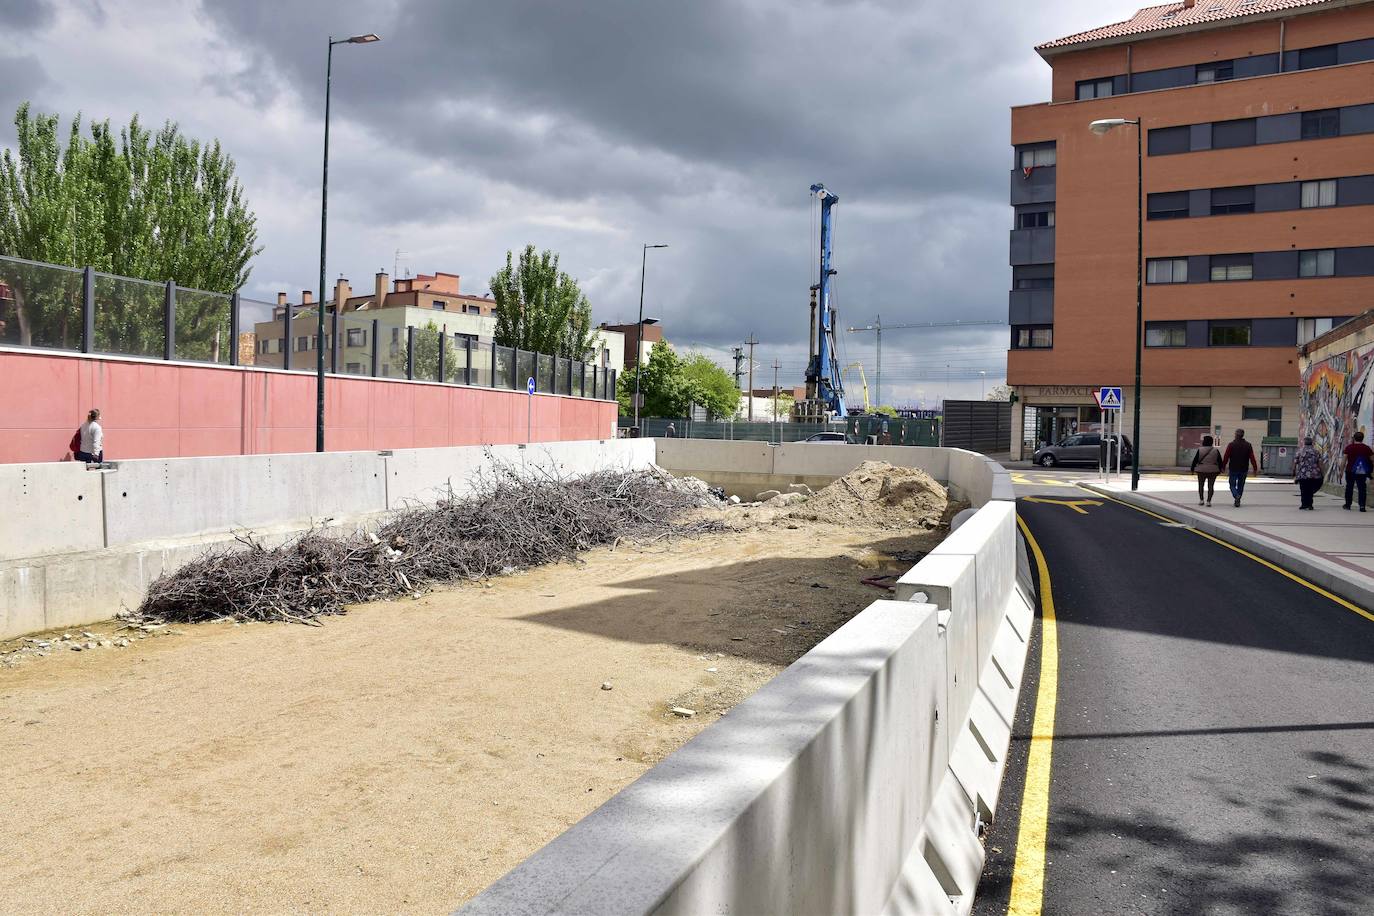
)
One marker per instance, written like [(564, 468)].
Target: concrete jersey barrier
[(857, 781)]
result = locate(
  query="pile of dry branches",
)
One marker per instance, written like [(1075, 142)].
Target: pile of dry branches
[(512, 521)]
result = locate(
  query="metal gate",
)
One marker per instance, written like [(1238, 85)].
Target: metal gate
[(980, 426)]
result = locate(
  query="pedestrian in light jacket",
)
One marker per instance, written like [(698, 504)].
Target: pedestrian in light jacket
[(92, 437), (1206, 465), (1237, 462), (1307, 471)]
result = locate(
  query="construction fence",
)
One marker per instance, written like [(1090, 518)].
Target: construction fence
[(857, 430)]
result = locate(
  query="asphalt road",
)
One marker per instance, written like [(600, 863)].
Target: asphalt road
[(1213, 742)]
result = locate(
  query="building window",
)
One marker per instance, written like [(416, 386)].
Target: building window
[(1094, 89), (1318, 263), (395, 335), (1228, 333), (1212, 73), (1309, 329), (354, 368), (1033, 338), (1166, 334), (1317, 125), (1169, 205), (1039, 220), (472, 309), (1233, 200), (1231, 134), (1271, 417), (1039, 157), (1165, 141), (438, 305), (1194, 417), (1033, 276), (1232, 267), (1319, 193), (302, 344), (357, 337), (1166, 270), (1323, 56)]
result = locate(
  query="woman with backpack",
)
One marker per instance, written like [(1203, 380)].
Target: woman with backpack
[(1206, 465), (1359, 461), (89, 441)]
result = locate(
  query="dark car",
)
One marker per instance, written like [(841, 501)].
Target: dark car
[(1081, 448)]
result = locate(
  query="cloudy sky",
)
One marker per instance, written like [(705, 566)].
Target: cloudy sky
[(592, 127)]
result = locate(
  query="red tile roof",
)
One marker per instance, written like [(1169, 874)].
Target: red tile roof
[(1178, 16)]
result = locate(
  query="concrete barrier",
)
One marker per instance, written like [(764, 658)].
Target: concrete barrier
[(49, 508), (857, 781), (155, 499), (78, 545)]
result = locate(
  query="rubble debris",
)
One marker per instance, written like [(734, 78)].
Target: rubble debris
[(511, 521), (683, 712), (801, 488), (881, 495), (605, 685), (765, 496)]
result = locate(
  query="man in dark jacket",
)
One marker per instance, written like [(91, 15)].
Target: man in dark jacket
[(1359, 462), (1237, 462)]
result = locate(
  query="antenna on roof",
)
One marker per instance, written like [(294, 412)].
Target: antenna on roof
[(396, 264)]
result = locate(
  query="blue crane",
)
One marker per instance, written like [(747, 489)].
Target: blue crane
[(824, 386)]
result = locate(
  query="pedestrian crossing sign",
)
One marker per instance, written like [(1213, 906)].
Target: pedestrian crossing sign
[(1109, 398)]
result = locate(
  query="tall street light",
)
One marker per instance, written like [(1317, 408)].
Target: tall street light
[(1101, 127), (639, 328), (324, 213)]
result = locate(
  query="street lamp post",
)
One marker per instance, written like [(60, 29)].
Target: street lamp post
[(324, 213), (983, 383), (639, 327), (1100, 127)]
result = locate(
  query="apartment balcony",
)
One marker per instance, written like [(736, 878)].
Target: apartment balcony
[(1032, 246), (1030, 306), (1037, 188)]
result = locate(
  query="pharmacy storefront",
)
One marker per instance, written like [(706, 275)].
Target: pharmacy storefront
[(1045, 414)]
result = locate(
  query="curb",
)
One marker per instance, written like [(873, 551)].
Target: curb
[(1342, 582)]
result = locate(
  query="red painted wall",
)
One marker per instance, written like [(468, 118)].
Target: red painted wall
[(154, 409)]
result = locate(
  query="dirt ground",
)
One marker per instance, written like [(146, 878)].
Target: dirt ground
[(404, 756)]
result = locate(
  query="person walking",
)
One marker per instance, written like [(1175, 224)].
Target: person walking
[(1359, 462), (671, 431), (92, 449), (1237, 461), (1307, 471), (1206, 465)]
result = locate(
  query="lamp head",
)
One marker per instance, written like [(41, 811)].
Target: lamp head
[(655, 246), (367, 39), (1102, 125)]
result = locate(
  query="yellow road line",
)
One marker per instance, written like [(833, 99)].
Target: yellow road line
[(1245, 553), (1028, 874)]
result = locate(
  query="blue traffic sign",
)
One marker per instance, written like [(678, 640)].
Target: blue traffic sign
[(529, 386), (1110, 398)]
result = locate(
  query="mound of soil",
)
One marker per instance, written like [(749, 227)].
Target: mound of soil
[(879, 495)]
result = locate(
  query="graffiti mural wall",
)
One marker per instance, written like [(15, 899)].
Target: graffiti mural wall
[(1337, 400)]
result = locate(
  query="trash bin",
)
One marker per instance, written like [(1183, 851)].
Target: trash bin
[(1276, 456)]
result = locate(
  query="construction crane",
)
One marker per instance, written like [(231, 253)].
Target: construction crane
[(863, 378), (878, 327), (824, 388)]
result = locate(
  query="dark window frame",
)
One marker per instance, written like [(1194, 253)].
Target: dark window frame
[(1230, 324), (1225, 70), (1161, 212), (1313, 256), (1096, 86), (1238, 201), (1172, 327), (1228, 262), (1322, 124), (1173, 271), (1203, 410), (1029, 330), (1032, 282)]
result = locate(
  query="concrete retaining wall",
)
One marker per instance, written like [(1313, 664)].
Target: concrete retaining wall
[(78, 544), (745, 469), (854, 782)]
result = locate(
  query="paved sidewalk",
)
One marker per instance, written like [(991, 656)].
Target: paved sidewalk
[(1268, 516)]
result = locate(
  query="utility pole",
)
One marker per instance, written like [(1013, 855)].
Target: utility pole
[(776, 367), (752, 341), (877, 327)]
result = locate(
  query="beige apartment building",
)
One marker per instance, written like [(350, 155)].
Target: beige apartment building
[(381, 321)]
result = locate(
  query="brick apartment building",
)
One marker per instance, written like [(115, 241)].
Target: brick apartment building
[(1258, 121)]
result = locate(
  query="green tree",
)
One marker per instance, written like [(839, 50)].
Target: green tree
[(155, 207), (710, 386), (663, 384), (427, 354), (540, 308), (885, 410)]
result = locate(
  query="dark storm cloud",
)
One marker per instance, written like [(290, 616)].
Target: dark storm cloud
[(24, 15)]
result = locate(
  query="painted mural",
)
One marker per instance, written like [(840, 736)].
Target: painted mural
[(1337, 400)]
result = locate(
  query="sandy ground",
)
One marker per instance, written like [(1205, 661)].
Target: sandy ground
[(401, 758)]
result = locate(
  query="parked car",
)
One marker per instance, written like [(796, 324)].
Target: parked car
[(1081, 448), (828, 438)]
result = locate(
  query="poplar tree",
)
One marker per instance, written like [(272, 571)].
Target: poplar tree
[(152, 206), (540, 308)]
